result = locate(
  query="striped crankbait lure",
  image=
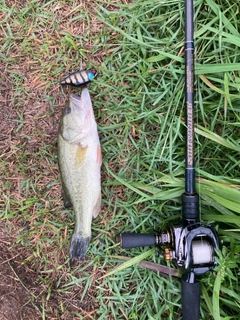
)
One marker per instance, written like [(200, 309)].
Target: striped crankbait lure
[(79, 77)]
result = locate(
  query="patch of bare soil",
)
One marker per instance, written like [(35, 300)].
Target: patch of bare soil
[(6, 113), (16, 281), (22, 295)]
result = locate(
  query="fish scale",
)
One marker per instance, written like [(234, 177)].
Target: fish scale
[(79, 162)]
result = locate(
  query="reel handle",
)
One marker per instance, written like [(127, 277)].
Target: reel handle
[(134, 240), (190, 300)]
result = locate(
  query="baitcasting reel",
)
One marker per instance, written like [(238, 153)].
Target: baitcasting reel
[(192, 247)]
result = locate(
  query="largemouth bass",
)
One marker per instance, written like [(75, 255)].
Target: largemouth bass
[(80, 160)]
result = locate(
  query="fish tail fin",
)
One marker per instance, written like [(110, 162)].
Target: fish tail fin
[(79, 246)]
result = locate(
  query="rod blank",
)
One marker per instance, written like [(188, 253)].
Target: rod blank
[(189, 98)]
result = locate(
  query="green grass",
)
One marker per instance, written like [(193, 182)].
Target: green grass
[(138, 100)]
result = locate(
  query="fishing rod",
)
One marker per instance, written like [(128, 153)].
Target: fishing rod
[(191, 244)]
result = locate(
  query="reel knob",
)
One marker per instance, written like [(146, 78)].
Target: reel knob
[(168, 254)]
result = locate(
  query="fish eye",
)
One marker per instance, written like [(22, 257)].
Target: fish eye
[(67, 110)]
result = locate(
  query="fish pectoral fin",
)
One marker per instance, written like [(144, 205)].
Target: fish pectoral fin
[(67, 204), (66, 197), (97, 206), (80, 155), (99, 155)]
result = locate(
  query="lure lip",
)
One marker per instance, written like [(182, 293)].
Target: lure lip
[(94, 71)]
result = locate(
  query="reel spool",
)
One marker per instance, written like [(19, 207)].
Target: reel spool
[(202, 252)]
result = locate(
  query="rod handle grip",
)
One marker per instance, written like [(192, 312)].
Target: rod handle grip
[(190, 300), (134, 240)]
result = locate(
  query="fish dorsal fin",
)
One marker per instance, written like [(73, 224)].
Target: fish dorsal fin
[(80, 155)]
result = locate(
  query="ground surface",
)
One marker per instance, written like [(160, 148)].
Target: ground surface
[(138, 103), (22, 294)]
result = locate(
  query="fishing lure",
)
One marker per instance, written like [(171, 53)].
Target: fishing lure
[(79, 77)]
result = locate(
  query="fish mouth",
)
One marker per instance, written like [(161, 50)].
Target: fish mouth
[(78, 247), (82, 102), (76, 101)]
